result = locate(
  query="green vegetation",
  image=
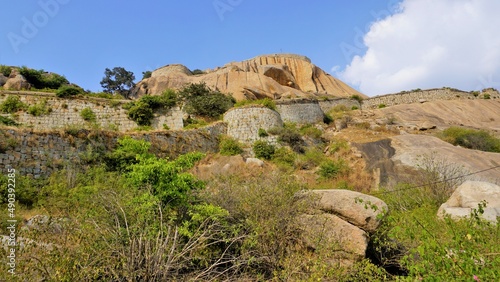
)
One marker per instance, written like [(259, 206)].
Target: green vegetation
[(117, 81), (332, 168), (263, 150), (262, 133), (5, 70), (40, 79), (200, 100), (66, 91), (229, 146), (191, 123), (88, 115), (142, 111), (8, 121), (146, 74), (486, 96), (311, 131), (381, 106), (39, 109), (289, 134), (268, 103), (197, 71), (357, 98), (471, 138), (12, 104)]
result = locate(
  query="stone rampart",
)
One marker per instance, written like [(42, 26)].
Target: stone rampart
[(421, 96), (67, 112), (300, 111), (40, 153), (244, 123)]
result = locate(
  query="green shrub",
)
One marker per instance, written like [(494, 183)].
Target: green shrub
[(311, 131), (66, 91), (197, 71), (88, 115), (200, 100), (229, 146), (262, 133), (263, 150), (471, 138), (7, 121), (381, 106), (357, 98), (332, 168), (5, 70), (311, 158), (284, 156), (354, 108), (141, 113), (39, 109), (328, 119), (267, 102), (12, 104), (191, 123), (486, 96), (39, 79)]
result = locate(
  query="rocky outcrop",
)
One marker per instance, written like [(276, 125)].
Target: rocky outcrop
[(468, 196), (16, 82), (340, 220), (273, 76), (3, 80)]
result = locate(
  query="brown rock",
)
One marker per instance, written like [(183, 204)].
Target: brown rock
[(17, 83), (272, 76), (327, 231), (3, 79), (361, 210)]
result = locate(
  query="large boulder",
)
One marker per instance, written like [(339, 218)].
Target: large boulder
[(361, 210), (340, 221), (468, 196), (17, 82)]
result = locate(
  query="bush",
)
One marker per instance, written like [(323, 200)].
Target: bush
[(284, 156), (267, 102), (39, 79), (327, 119), (381, 106), (311, 131), (88, 115), (11, 105), (141, 113), (197, 71), (263, 150), (5, 70), (201, 100), (262, 133), (486, 96), (357, 98), (229, 146), (332, 169), (471, 138), (68, 91), (7, 121), (39, 109)]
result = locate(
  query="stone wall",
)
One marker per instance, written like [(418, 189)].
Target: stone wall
[(66, 112), (244, 123), (328, 105), (300, 111), (38, 154), (423, 96)]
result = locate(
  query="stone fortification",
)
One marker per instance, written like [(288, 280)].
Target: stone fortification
[(38, 154), (67, 112), (421, 96), (300, 111), (244, 123)]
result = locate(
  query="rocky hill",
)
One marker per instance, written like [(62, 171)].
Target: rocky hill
[(274, 76)]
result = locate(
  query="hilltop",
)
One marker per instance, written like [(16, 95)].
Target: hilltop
[(268, 76)]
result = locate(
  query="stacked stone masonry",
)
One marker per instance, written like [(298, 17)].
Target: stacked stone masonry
[(300, 111), (66, 113), (39, 154), (244, 123)]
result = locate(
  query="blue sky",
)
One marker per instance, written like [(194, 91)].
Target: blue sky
[(353, 40)]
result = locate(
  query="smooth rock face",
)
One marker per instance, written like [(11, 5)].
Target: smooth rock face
[(467, 197), (3, 79), (364, 211), (269, 76)]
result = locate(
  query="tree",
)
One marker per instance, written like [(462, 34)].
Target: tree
[(118, 80)]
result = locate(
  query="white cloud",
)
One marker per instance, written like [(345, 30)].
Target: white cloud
[(430, 43)]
